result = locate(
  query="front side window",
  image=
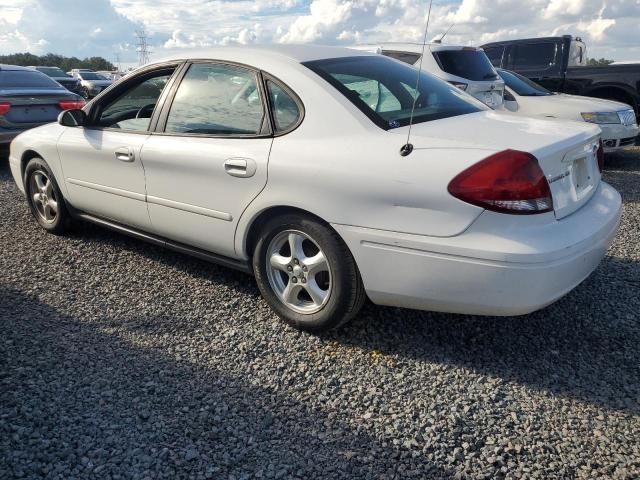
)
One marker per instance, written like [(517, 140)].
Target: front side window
[(535, 55), (133, 107), (284, 108), (494, 54), (384, 90), (468, 62), (217, 99), (522, 85)]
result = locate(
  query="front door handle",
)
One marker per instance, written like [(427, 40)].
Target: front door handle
[(125, 154), (240, 167)]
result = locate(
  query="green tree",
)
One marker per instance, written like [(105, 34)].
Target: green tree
[(600, 62), (54, 60)]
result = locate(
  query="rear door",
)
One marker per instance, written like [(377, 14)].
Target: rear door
[(208, 159), (102, 161)]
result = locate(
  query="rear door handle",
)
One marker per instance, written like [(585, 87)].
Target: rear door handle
[(125, 154), (240, 167)]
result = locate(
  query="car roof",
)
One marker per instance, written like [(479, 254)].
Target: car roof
[(297, 53), (14, 68), (414, 47)]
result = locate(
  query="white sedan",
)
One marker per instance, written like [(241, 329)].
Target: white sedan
[(617, 120), (270, 160)]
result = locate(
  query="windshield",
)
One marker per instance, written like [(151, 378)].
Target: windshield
[(90, 76), (52, 71), (468, 63), (522, 85), (20, 79), (384, 90)]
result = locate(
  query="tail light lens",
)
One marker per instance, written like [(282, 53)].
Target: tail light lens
[(509, 182), (71, 104), (600, 155), (4, 107)]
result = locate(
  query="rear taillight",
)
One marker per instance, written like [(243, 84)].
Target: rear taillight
[(600, 155), (509, 181), (71, 104), (4, 107)]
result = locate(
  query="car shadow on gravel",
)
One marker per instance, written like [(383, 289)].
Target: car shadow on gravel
[(78, 400), (585, 347)]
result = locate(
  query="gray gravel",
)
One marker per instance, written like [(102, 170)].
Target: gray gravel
[(122, 360)]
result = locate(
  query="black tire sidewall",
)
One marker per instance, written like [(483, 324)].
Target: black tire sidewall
[(339, 307), (62, 222)]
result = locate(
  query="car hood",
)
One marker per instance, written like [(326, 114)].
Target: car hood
[(576, 103)]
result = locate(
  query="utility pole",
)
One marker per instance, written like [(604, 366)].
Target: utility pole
[(142, 47), (118, 65)]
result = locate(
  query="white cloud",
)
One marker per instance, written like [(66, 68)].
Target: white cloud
[(69, 27)]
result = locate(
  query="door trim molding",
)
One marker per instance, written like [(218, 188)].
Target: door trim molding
[(112, 190), (185, 207)]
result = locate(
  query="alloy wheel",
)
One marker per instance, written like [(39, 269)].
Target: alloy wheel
[(298, 271), (43, 196)]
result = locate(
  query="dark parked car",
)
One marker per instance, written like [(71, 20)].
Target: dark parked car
[(67, 81), (29, 99), (559, 64)]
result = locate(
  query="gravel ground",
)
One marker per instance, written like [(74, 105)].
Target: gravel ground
[(122, 360)]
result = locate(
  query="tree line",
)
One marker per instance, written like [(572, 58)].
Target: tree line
[(53, 60)]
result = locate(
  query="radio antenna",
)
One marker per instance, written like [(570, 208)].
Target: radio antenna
[(444, 34), (407, 148)]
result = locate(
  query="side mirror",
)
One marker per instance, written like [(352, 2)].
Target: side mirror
[(508, 97), (72, 118)]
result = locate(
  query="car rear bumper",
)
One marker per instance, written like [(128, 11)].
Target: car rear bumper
[(502, 265), (7, 135), (616, 137)]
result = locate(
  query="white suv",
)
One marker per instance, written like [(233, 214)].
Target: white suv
[(468, 68)]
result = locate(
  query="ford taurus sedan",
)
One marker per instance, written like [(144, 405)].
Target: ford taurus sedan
[(286, 162)]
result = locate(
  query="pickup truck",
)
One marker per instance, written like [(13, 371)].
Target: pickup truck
[(559, 64)]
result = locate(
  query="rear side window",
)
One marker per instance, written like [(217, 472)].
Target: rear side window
[(284, 108), (471, 64), (494, 54), (217, 99), (406, 57), (535, 55), (20, 79)]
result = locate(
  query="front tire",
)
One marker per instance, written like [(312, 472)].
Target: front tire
[(306, 273), (45, 198)]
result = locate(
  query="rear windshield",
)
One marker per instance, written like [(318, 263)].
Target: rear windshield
[(385, 90), (52, 71), (470, 64), (18, 79), (522, 85)]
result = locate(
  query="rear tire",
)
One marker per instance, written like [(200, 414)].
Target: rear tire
[(306, 273), (45, 198)]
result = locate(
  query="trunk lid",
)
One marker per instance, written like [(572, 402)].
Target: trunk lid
[(566, 151), (32, 107)]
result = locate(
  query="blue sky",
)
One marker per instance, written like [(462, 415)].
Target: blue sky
[(107, 27)]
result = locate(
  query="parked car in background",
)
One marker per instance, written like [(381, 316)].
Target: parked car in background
[(67, 81), (489, 214), (29, 99), (559, 65), (91, 82), (616, 120), (467, 68)]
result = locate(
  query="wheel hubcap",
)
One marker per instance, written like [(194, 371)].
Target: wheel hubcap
[(298, 271), (44, 197)]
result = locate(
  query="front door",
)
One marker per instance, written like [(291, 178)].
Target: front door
[(209, 159), (102, 162)]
